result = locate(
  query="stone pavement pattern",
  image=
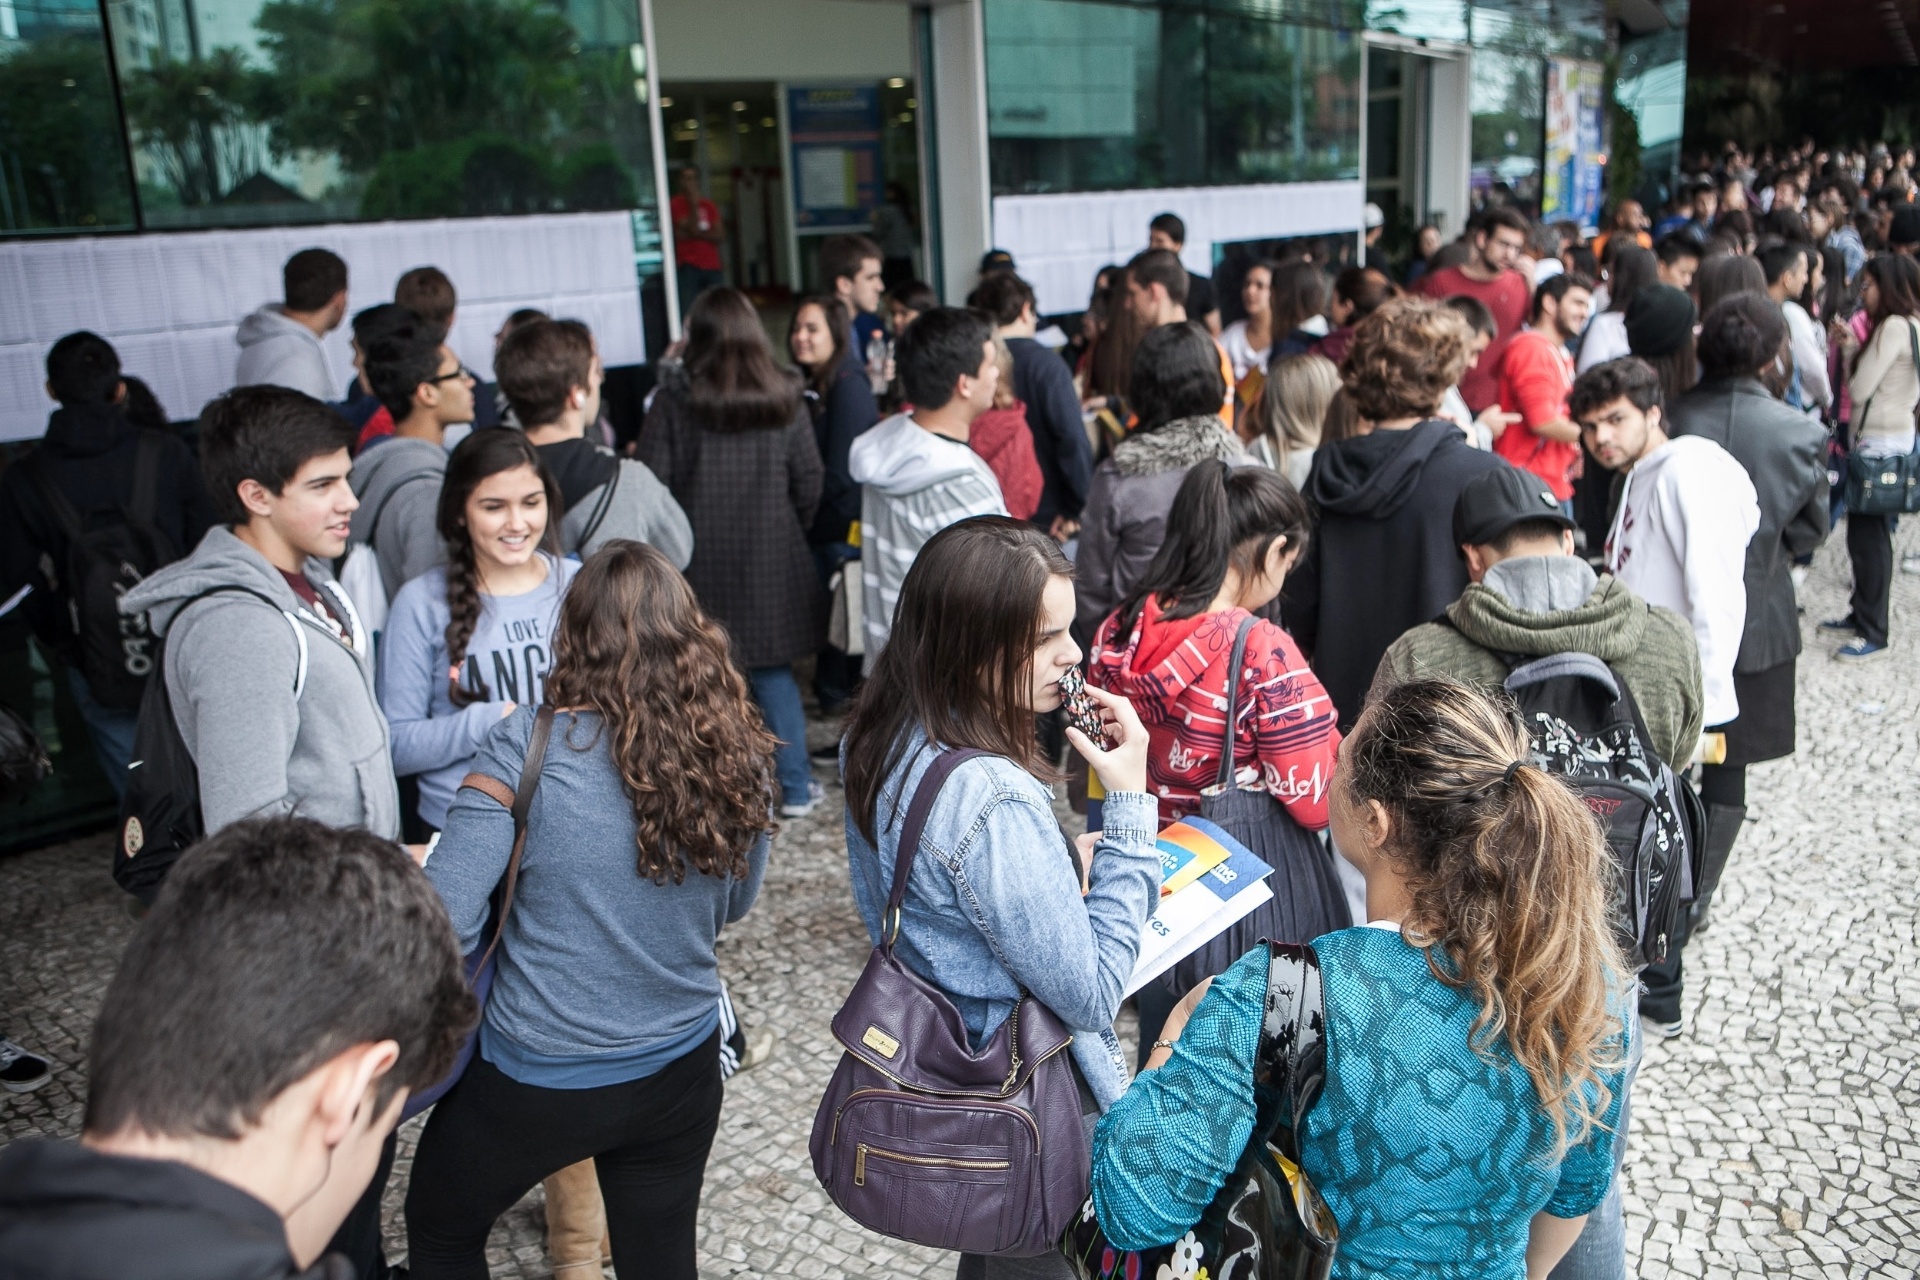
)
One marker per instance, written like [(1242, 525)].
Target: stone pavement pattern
[(1776, 1138)]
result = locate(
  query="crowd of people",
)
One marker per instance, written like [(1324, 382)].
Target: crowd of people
[(1312, 555)]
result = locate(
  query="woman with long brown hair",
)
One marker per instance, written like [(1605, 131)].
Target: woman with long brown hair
[(1474, 1034), (730, 436), (995, 903), (647, 835)]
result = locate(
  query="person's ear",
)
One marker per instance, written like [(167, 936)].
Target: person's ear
[(120, 393), (346, 1089), (1279, 558), (255, 497), (1566, 542), (1477, 565), (1655, 417), (1376, 826)]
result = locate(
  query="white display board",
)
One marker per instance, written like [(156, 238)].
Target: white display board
[(1059, 241), (170, 302)]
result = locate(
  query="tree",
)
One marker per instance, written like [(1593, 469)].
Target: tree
[(61, 159), (197, 121)]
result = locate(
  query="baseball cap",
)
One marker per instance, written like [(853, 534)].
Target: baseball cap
[(1497, 500), (1373, 217)]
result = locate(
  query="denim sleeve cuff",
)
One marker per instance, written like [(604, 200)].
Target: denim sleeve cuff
[(1129, 817)]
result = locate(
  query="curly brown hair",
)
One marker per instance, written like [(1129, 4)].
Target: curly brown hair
[(692, 752), (1404, 357), (1508, 874)]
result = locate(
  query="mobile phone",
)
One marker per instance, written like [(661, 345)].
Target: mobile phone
[(1083, 713)]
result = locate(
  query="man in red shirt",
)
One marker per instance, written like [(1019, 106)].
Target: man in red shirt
[(1499, 234), (696, 239), (1536, 373)]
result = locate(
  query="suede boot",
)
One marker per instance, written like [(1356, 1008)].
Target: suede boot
[(577, 1241)]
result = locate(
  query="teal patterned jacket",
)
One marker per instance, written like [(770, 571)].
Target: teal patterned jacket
[(1434, 1159)]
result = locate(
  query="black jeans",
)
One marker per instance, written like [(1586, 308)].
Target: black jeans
[(492, 1138), (1870, 547)]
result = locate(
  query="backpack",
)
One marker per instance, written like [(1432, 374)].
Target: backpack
[(105, 558), (1586, 729), (160, 813), (358, 572)]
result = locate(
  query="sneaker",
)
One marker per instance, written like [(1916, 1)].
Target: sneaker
[(1799, 575), (1910, 563), (1699, 917), (1662, 1030), (815, 794), (1841, 626), (20, 1071), (1860, 651)]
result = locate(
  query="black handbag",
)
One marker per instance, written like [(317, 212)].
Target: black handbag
[(1308, 899), (1885, 486), (1267, 1222)]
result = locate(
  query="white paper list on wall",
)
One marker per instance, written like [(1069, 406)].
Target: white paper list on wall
[(170, 303)]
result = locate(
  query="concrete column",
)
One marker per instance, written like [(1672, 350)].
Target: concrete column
[(961, 188)]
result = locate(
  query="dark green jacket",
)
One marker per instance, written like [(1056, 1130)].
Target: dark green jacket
[(1652, 649)]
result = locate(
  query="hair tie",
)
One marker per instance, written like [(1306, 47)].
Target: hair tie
[(1511, 770)]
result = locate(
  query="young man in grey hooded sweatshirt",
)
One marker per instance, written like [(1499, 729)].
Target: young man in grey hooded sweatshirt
[(269, 670), (280, 344), (397, 478)]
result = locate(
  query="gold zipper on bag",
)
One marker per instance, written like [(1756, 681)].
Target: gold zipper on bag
[(833, 1136), (861, 1152)]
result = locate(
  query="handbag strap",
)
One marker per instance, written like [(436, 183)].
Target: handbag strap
[(517, 801), (922, 804), (1225, 781), (1291, 1063)]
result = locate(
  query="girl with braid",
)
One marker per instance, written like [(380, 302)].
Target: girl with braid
[(1475, 1049), (468, 642)]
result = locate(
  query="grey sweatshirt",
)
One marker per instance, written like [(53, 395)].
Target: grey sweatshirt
[(397, 480), (639, 506), (233, 666), (283, 353), (603, 974), (508, 654)]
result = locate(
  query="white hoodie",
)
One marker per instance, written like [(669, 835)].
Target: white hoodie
[(280, 351), (914, 484), (1679, 541)]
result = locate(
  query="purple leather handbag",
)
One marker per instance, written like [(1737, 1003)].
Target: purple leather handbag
[(920, 1137)]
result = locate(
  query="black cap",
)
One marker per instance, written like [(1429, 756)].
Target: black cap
[(1906, 226), (1659, 319), (1497, 500)]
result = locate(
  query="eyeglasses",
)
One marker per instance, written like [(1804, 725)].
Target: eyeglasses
[(460, 372)]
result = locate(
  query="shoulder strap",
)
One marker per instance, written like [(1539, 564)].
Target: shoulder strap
[(517, 801), (373, 525), (299, 632), (923, 797), (145, 498), (1225, 780), (1291, 1063), (600, 508)]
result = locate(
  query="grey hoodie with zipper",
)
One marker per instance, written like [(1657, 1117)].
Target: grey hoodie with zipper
[(274, 726), (398, 483), (279, 351)]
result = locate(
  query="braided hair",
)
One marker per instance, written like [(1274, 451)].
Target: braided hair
[(484, 453)]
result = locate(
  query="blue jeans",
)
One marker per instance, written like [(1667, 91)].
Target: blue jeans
[(778, 695), (111, 731), (1601, 1251)]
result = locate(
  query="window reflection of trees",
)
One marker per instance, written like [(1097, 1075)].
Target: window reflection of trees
[(393, 108), (61, 159)]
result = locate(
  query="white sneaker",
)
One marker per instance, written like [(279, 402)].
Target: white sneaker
[(815, 794), (1799, 575), (1910, 563)]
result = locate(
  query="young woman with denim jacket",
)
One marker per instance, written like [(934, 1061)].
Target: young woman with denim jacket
[(995, 902)]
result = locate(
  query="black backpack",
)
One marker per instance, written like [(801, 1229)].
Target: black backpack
[(1586, 728), (108, 553), (160, 813)]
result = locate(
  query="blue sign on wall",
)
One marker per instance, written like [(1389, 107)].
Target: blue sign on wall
[(1576, 161), (835, 137)]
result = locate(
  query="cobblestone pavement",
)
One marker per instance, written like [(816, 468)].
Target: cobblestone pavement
[(1776, 1137)]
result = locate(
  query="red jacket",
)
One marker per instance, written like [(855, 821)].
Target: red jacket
[(1004, 439), (1536, 373), (1174, 671)]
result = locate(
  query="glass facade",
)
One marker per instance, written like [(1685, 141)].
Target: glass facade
[(231, 113), (1088, 96)]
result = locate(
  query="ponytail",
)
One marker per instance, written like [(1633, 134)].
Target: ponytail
[(484, 453), (1224, 517), (1507, 872)]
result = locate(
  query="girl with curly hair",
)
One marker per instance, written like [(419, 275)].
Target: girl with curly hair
[(1475, 1043), (647, 836)]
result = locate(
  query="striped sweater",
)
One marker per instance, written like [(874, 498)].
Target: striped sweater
[(1174, 670)]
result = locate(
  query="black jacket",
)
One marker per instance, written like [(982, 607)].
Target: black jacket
[(1381, 559), (88, 453), (71, 1213), (838, 420), (1785, 454), (1042, 379)]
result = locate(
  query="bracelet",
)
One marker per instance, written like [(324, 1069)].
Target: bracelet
[(1162, 1044)]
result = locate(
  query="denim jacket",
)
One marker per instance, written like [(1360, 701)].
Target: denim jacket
[(994, 904)]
